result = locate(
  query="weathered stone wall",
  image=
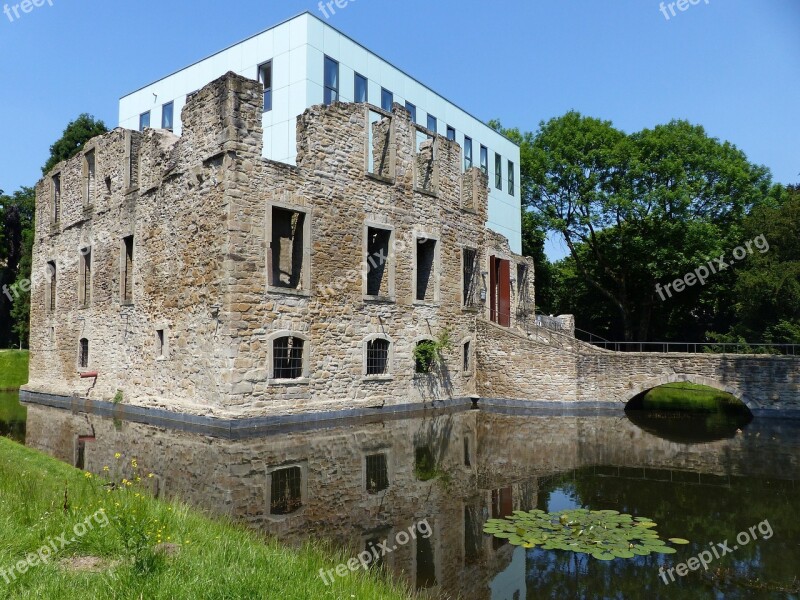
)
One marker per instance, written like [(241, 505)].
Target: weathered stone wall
[(200, 208)]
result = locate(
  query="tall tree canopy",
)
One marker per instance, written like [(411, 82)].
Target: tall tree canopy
[(73, 139), (641, 209)]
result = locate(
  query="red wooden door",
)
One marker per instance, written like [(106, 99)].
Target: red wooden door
[(493, 289), (504, 293)]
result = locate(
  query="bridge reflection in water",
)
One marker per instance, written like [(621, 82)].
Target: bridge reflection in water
[(355, 482)]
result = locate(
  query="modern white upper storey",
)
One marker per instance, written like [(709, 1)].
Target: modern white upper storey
[(303, 62)]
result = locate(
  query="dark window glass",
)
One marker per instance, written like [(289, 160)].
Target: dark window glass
[(387, 99), (287, 361), (485, 160), (498, 171), (361, 89), (144, 121), (377, 357), (331, 81), (377, 473), (451, 133), (83, 357), (265, 77), (167, 112), (432, 123), (412, 111), (467, 153), (511, 178), (285, 493)]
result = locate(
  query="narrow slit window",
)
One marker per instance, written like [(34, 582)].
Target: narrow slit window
[(485, 160), (83, 353), (470, 260), (51, 267), (127, 270), (89, 157), (426, 259), (377, 471), (498, 171), (378, 357), (56, 198), (467, 357), (287, 358), (511, 179), (160, 348), (86, 277), (467, 457), (331, 81), (286, 491), (265, 78)]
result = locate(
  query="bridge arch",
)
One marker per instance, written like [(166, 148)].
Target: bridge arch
[(636, 390)]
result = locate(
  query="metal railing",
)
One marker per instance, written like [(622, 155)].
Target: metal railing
[(690, 347)]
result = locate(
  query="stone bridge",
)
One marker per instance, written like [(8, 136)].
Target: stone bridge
[(541, 366)]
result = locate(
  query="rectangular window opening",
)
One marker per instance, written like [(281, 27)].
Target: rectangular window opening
[(167, 114), (485, 160), (380, 136), (467, 457), (451, 133), (160, 343), (287, 358), (265, 78), (144, 120), (378, 357), (377, 473), (432, 123), (470, 276), (285, 491), (426, 258), (426, 565), (86, 276), (127, 270), (83, 355), (56, 212), (467, 357), (89, 157), (51, 267), (287, 249), (361, 89), (378, 245), (498, 171), (425, 157), (467, 153), (331, 81), (387, 100), (412, 110), (511, 178)]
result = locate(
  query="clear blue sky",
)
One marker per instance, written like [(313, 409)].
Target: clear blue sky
[(732, 66)]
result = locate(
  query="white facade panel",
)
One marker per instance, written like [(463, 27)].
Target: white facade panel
[(297, 49)]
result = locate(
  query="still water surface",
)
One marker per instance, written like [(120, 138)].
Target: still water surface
[(364, 481)]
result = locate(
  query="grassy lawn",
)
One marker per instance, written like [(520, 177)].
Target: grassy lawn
[(125, 544), (13, 369), (690, 396)]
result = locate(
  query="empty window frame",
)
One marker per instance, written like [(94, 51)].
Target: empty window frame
[(484, 160), (424, 357), (511, 179), (126, 270), (451, 133), (167, 116), (265, 78), (161, 347), (360, 89), (85, 278), (55, 198), (432, 123), (470, 276), (377, 357), (83, 353), (426, 265), (287, 249), (287, 357), (467, 153), (144, 120), (387, 100), (89, 174), (379, 273), (377, 473), (467, 356), (331, 81), (379, 151), (51, 289), (498, 171), (286, 494), (412, 110)]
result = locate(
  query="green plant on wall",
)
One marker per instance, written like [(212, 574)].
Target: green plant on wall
[(429, 353)]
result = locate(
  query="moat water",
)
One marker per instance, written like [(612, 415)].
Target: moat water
[(705, 479)]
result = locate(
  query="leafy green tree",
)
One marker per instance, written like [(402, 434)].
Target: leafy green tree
[(74, 138), (642, 209), (17, 214)]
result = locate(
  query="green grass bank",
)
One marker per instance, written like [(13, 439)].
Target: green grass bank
[(147, 548), (13, 369), (691, 397)]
